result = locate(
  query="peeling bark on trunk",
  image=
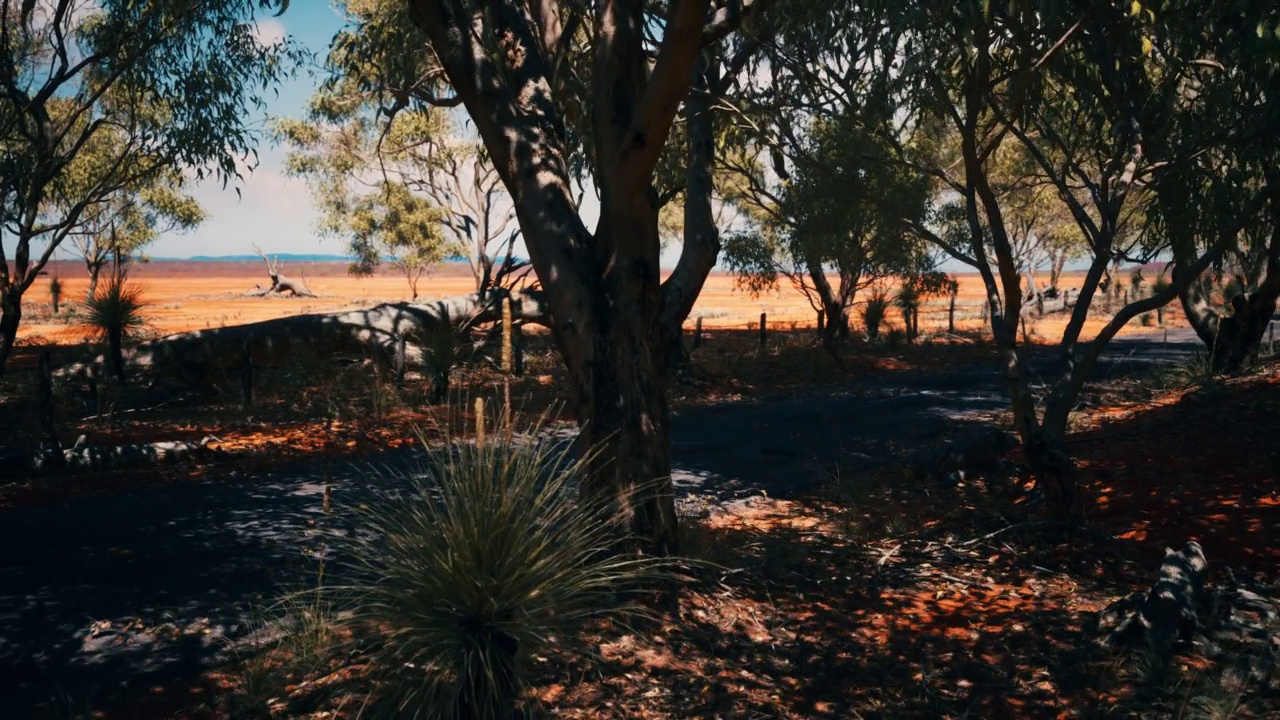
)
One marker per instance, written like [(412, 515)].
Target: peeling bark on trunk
[(627, 417)]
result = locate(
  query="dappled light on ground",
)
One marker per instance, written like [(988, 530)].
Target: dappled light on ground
[(1197, 465)]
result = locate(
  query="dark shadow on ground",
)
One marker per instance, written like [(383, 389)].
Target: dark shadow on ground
[(101, 596)]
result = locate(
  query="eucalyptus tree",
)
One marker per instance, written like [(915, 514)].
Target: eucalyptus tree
[(363, 175), (1233, 51), (532, 76), (1075, 87), (172, 80), (389, 126), (844, 209)]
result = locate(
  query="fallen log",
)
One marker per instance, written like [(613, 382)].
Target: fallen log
[(1167, 613), (280, 340), (279, 283)]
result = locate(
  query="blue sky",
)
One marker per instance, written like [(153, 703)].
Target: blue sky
[(274, 210)]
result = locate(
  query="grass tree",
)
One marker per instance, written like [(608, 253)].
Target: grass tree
[(142, 87), (489, 558), (114, 314)]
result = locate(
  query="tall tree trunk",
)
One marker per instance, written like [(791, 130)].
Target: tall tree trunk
[(1233, 340), (1055, 271), (10, 318), (836, 329), (115, 345), (95, 269), (701, 236), (1239, 335), (1051, 464), (625, 416)]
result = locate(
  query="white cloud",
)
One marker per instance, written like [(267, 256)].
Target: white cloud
[(272, 210), (269, 32)]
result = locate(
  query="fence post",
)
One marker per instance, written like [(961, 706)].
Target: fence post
[(697, 333), (764, 330), (822, 319), (951, 316), (1164, 346)]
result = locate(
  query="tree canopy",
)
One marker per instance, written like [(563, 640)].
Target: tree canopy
[(171, 82)]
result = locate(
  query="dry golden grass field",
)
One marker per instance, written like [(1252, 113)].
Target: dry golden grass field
[(197, 295)]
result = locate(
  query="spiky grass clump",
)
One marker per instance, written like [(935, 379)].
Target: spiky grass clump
[(114, 314), (908, 301), (873, 314), (489, 557), (445, 347)]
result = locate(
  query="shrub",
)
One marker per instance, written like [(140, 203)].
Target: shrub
[(873, 314), (895, 338), (1147, 319), (489, 557), (113, 315)]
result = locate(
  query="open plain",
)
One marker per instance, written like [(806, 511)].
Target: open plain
[(197, 295)]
